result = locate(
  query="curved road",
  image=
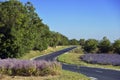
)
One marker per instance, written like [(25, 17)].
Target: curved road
[(93, 73)]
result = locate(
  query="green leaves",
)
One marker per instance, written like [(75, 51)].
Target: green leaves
[(19, 28), (116, 46), (91, 45), (104, 45), (73, 42), (22, 30)]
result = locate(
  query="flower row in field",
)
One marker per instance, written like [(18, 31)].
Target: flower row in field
[(110, 59), (28, 68)]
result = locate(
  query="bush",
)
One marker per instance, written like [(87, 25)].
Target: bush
[(28, 68)]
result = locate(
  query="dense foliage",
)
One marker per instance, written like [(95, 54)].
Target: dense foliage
[(82, 42), (102, 46), (28, 68), (91, 45), (57, 39), (116, 46), (73, 42), (107, 59), (22, 30)]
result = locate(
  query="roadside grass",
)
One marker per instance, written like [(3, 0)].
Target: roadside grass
[(36, 53), (66, 75), (74, 58)]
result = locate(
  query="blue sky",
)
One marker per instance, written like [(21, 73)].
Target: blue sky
[(81, 18)]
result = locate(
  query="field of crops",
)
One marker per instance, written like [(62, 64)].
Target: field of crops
[(106, 59), (28, 68)]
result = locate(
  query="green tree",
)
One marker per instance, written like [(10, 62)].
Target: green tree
[(54, 39), (42, 40), (73, 42), (21, 29), (82, 42), (63, 40), (116, 46), (105, 45), (13, 20), (91, 45)]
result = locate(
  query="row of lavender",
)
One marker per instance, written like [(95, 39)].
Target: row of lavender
[(28, 68), (106, 59)]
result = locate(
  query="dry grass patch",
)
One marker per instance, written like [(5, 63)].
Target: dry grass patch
[(33, 54), (66, 75), (5, 77)]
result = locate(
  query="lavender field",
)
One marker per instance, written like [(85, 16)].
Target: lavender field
[(28, 68), (105, 59)]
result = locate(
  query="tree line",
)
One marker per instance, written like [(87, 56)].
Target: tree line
[(98, 46), (22, 30)]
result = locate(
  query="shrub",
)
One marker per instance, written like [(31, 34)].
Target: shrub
[(28, 68)]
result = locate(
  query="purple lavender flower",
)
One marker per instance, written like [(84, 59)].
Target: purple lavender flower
[(26, 67), (111, 59)]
